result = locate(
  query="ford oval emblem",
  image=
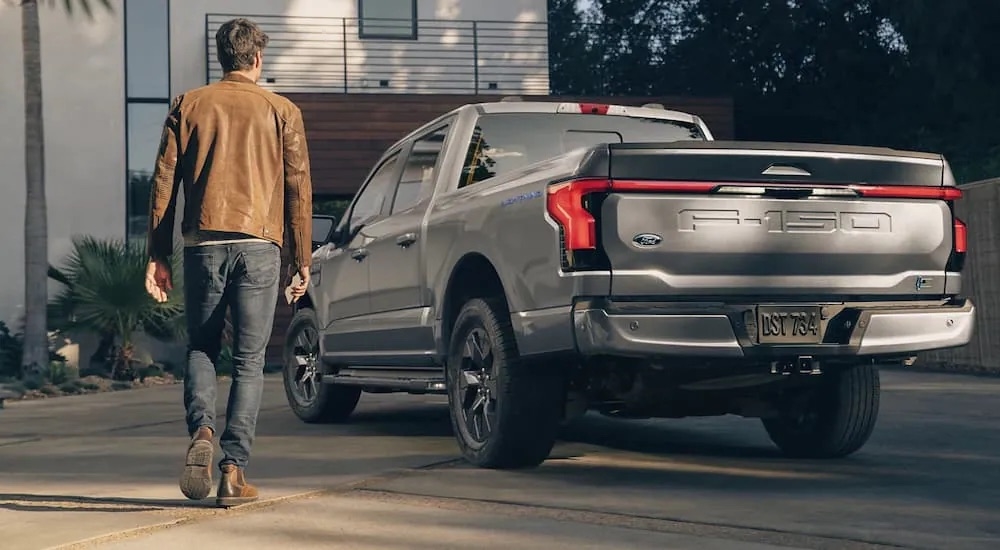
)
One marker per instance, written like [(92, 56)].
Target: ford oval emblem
[(647, 239)]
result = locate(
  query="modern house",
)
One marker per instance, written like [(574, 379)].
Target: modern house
[(364, 72)]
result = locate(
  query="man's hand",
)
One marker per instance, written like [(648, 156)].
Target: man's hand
[(299, 290), (158, 280)]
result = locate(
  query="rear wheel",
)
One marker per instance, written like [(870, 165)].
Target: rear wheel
[(309, 397), (505, 412), (831, 420)]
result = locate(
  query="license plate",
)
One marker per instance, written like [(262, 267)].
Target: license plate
[(789, 325)]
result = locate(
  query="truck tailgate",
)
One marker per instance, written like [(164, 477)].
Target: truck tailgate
[(765, 246), (711, 219)]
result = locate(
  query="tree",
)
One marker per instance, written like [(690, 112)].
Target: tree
[(34, 361), (572, 58), (952, 74)]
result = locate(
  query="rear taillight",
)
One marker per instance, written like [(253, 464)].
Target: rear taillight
[(959, 247), (565, 204), (961, 237)]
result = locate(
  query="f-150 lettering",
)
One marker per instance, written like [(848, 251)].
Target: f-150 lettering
[(787, 221)]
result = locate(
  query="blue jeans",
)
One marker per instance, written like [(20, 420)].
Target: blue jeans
[(243, 277)]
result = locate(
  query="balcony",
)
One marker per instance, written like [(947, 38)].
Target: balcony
[(327, 54)]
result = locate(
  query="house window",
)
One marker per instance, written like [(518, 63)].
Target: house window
[(387, 19), (147, 99)]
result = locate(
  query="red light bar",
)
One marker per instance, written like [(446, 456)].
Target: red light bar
[(664, 186), (909, 192)]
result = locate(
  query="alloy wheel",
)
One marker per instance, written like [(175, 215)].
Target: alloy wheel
[(477, 386), (303, 366)]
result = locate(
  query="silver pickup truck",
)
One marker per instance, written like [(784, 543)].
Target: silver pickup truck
[(536, 260)]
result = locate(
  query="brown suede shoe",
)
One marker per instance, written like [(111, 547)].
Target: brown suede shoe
[(233, 488), (196, 480)]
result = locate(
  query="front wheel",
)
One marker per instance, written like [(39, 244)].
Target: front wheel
[(505, 412), (309, 397), (831, 420)]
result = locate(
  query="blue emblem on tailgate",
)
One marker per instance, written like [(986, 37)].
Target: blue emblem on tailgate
[(645, 240)]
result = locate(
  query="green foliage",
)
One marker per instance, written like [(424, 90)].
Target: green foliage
[(917, 75), (58, 373), (71, 387), (331, 207), (104, 293), (11, 348)]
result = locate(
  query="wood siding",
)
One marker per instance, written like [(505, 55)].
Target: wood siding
[(348, 133)]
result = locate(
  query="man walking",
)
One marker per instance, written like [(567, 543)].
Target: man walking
[(240, 153)]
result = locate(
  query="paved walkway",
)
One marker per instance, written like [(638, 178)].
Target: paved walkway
[(100, 471)]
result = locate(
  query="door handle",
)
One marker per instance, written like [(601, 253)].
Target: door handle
[(359, 254), (406, 239)]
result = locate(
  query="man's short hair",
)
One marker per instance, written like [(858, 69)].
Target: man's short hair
[(237, 42)]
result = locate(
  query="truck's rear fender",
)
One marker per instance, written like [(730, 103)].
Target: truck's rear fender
[(504, 223)]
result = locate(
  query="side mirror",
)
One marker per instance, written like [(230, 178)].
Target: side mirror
[(322, 229)]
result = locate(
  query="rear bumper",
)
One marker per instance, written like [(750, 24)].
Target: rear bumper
[(717, 331)]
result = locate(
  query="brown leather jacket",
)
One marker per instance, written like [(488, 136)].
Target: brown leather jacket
[(241, 154)]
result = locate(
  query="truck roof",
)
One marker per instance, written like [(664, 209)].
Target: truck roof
[(574, 106), (516, 105)]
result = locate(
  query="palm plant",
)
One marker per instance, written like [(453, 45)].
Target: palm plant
[(35, 220), (104, 293)]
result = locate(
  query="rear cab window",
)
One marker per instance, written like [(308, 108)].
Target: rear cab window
[(417, 180), (506, 142)]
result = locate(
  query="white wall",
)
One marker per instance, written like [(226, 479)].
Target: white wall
[(189, 41), (82, 81)]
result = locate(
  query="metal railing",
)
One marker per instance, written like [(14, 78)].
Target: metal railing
[(328, 54)]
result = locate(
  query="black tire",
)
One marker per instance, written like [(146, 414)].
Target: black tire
[(832, 420), (521, 401), (321, 402)]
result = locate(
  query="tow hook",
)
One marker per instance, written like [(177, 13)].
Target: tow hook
[(804, 364)]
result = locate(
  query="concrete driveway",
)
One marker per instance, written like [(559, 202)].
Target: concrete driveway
[(100, 472)]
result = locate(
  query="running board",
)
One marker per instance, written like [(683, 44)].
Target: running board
[(390, 380)]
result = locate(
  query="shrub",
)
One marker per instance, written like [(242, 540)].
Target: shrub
[(104, 293), (59, 372), (11, 349), (71, 387)]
